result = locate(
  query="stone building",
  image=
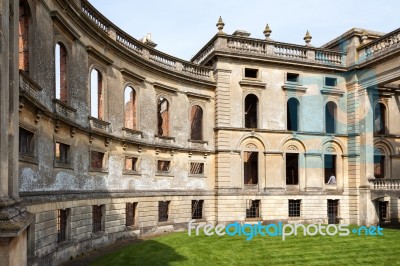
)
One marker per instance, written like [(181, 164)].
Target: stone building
[(103, 137)]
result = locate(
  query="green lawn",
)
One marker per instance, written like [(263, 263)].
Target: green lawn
[(181, 249)]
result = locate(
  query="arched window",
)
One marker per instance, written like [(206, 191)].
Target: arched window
[(293, 114), (23, 39), (162, 116), (379, 163), (196, 123), (61, 72), (250, 111), (380, 119), (96, 94), (130, 107), (330, 117)]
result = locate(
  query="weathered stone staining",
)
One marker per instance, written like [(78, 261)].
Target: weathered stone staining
[(103, 137)]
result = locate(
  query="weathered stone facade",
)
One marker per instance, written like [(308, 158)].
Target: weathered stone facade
[(249, 130)]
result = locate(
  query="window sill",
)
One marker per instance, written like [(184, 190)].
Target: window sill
[(198, 141), (131, 172), (98, 234), (197, 175), (164, 137), (63, 165), (165, 223), (167, 174), (332, 91), (132, 227), (28, 159), (331, 187), (257, 219), (98, 170), (202, 220)]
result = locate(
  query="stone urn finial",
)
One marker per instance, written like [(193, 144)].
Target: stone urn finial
[(220, 25), (267, 32), (308, 38)]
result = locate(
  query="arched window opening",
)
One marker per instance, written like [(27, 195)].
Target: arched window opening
[(61, 72), (293, 114), (163, 117), (130, 107), (23, 38), (196, 125), (379, 163), (330, 117), (380, 119), (250, 165), (330, 168), (96, 94), (250, 111)]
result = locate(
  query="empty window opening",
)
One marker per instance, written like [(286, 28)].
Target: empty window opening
[(163, 117), (292, 168), (330, 117), (98, 218), (250, 111), (292, 77), (293, 114), (96, 94), (23, 39), (163, 166), (61, 73), (131, 213), (196, 126), (61, 153), (383, 210), (379, 166), (26, 142), (251, 73), (197, 209), (330, 82), (62, 216), (250, 168), (333, 211), (294, 208), (97, 160), (163, 211), (130, 164), (253, 209), (380, 119), (330, 168), (196, 168), (130, 107)]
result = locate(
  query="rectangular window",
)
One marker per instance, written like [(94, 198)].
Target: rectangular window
[(62, 153), (130, 164), (131, 213), (379, 166), (163, 166), (196, 168), (253, 209), (292, 77), (62, 217), (97, 216), (251, 73), (97, 160), (383, 210), (294, 208), (330, 82), (333, 211), (292, 168), (163, 211), (26, 142), (197, 209), (330, 168), (250, 165)]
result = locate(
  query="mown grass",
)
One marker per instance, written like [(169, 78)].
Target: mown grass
[(181, 249)]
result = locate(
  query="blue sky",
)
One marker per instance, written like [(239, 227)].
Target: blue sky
[(181, 28)]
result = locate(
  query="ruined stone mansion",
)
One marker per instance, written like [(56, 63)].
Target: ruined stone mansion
[(103, 137)]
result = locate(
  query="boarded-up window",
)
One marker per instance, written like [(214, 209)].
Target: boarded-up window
[(250, 165), (253, 209), (97, 218), (131, 213), (196, 168), (196, 126), (292, 168), (197, 209), (163, 166), (292, 114), (130, 107), (23, 40), (380, 119), (61, 73), (163, 211), (330, 117), (96, 95), (250, 111), (163, 117), (97, 160)]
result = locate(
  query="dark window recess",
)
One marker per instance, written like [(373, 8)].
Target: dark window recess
[(62, 225), (130, 164), (330, 82), (97, 218), (292, 77), (294, 208), (330, 117), (380, 119), (97, 159), (379, 166), (196, 168), (250, 165), (163, 211), (196, 126), (333, 211), (131, 213), (292, 168), (162, 117), (62, 151), (250, 111), (253, 209), (251, 73), (163, 166), (383, 210), (293, 114), (25, 142), (197, 209), (330, 166)]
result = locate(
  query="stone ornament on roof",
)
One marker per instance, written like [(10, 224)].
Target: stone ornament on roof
[(267, 32), (220, 25), (307, 38)]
